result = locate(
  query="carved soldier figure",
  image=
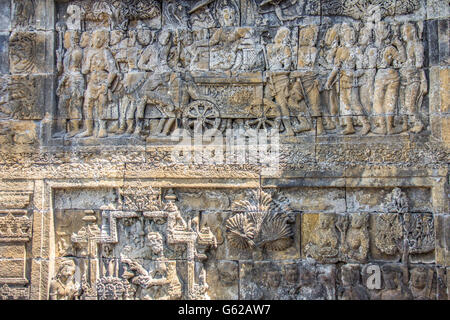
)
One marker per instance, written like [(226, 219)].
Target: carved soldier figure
[(413, 79), (63, 286), (102, 71), (387, 79), (119, 48), (345, 63), (279, 56), (307, 86), (368, 54), (328, 50), (71, 85), (154, 61)]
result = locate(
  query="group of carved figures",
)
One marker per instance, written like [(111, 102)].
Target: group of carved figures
[(397, 231), (306, 280), (355, 74), (375, 73)]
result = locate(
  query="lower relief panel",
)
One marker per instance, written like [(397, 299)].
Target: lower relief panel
[(138, 242)]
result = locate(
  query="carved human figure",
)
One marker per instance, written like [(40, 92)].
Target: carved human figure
[(164, 283), (202, 16), (137, 276), (306, 86), (71, 85), (279, 59), (356, 245), (85, 42), (328, 50), (102, 71), (351, 288), (396, 202), (346, 65), (324, 247), (420, 283), (277, 7), (394, 288), (368, 54), (387, 79), (63, 286), (140, 86), (225, 42), (413, 79), (118, 45)]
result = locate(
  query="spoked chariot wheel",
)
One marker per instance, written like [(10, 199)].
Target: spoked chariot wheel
[(201, 115), (263, 118)]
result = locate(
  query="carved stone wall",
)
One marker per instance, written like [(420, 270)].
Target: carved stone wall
[(114, 182)]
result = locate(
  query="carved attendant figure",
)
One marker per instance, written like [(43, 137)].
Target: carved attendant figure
[(368, 54), (356, 246), (413, 77), (279, 55), (420, 283), (307, 84), (345, 63), (394, 289), (329, 47), (387, 80), (71, 85), (351, 287), (325, 247), (164, 282), (63, 286), (101, 69)]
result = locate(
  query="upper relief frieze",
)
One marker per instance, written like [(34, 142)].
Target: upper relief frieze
[(145, 70)]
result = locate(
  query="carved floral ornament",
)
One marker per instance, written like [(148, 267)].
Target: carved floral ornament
[(15, 228)]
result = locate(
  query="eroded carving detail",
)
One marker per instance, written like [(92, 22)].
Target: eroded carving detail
[(22, 52), (400, 231)]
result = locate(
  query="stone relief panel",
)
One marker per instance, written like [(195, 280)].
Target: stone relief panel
[(94, 93), (394, 282), (288, 280), (139, 247), (359, 76), (144, 242), (282, 12)]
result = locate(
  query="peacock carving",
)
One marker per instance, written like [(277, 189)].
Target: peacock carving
[(260, 223)]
